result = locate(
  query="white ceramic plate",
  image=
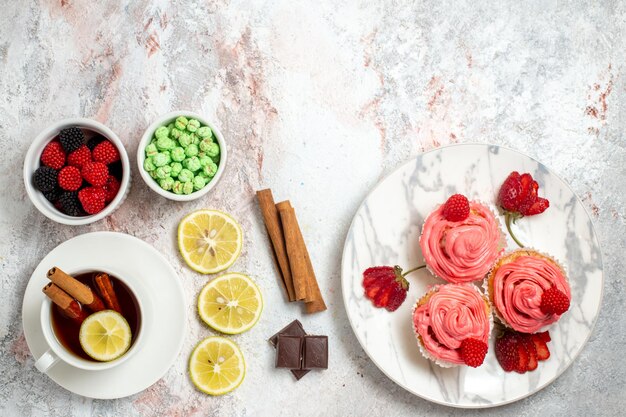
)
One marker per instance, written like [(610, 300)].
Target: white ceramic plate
[(385, 231), (164, 312)]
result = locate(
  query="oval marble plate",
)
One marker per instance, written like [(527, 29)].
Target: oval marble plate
[(385, 231), (164, 312)]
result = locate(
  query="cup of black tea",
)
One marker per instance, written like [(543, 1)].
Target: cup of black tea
[(100, 302)]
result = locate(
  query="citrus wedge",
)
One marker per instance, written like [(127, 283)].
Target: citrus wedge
[(231, 303), (105, 335), (209, 240), (216, 366)]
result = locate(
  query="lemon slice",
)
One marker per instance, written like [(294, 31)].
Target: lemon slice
[(105, 335), (230, 303), (216, 366), (209, 240)]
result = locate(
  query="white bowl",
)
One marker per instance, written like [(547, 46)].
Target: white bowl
[(32, 162), (145, 140)]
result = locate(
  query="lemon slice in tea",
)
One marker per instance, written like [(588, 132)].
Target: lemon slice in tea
[(209, 240), (231, 303), (105, 335), (216, 366)]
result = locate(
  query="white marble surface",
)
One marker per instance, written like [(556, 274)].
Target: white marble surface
[(318, 101)]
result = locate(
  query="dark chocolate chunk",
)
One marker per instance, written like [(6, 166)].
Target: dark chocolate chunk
[(292, 329), (289, 352), (299, 373), (315, 352)]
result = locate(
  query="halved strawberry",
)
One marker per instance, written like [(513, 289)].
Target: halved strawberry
[(532, 351), (386, 286), (522, 362), (541, 345), (507, 352)]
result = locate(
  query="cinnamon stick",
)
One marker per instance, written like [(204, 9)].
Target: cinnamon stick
[(105, 287), (295, 249), (275, 231), (76, 289), (70, 307), (314, 302)]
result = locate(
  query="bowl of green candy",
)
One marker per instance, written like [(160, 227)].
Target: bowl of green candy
[(181, 156)]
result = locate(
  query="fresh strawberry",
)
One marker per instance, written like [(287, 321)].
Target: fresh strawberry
[(92, 199), (79, 157), (553, 301), (541, 345), (507, 352), (70, 178), (105, 152), (523, 358), (518, 197), (53, 155), (473, 352), (456, 208), (95, 173), (385, 286), (532, 351), (111, 188), (545, 336)]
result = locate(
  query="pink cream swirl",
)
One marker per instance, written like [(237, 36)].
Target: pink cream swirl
[(517, 289), (452, 313), (461, 251)]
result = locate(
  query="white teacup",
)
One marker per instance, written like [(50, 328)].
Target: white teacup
[(57, 351)]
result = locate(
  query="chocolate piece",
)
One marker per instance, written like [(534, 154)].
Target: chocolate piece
[(315, 352), (299, 373), (289, 352), (292, 329)]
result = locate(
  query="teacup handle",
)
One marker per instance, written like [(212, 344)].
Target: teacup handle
[(46, 361)]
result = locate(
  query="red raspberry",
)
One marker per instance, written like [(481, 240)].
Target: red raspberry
[(53, 155), (473, 352), (95, 173), (79, 157), (92, 199), (70, 178), (456, 208), (553, 301), (111, 188), (106, 153)]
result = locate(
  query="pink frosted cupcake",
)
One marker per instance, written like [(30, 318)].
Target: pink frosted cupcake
[(461, 250), (529, 290), (445, 317)]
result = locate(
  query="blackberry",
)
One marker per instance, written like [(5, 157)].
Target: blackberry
[(45, 179), (115, 169), (70, 204), (71, 139), (53, 195), (93, 142)]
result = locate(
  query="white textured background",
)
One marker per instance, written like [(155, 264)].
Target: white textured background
[(318, 100)]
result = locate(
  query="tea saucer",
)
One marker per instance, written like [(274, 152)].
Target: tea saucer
[(164, 312)]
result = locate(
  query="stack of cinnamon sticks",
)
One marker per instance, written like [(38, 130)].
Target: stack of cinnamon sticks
[(73, 297), (291, 254)]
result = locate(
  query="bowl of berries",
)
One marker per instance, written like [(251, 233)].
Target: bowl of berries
[(77, 172)]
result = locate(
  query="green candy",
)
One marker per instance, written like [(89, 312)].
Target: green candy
[(199, 182), (211, 149), (192, 150), (165, 143), (192, 164), (177, 154), (160, 159), (166, 183), (177, 187), (153, 174), (184, 140), (205, 144), (210, 170), (204, 132), (151, 150), (161, 132), (204, 160), (188, 187), (175, 133), (195, 139), (193, 125), (216, 159), (181, 122), (148, 165), (170, 126), (176, 168), (164, 171), (185, 175)]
